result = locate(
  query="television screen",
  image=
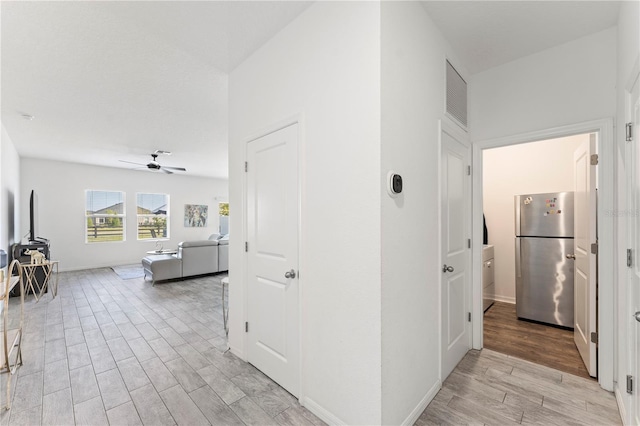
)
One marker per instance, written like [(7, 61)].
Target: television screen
[(33, 216)]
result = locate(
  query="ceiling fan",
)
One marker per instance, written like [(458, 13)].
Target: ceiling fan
[(154, 165)]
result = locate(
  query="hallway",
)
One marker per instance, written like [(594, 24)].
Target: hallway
[(492, 388)]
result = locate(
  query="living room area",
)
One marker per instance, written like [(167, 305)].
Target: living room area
[(122, 135), (128, 348)]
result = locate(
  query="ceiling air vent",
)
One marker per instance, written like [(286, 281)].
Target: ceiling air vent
[(456, 95)]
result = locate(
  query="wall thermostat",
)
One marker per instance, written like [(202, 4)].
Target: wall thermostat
[(394, 183)]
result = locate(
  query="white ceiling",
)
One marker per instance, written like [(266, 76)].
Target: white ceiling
[(486, 34), (116, 80)]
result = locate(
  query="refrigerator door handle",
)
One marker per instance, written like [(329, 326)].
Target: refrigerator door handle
[(518, 260)]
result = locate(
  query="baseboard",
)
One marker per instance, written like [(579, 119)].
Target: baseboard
[(322, 413), (237, 352), (621, 407), (329, 418), (422, 405), (506, 299)]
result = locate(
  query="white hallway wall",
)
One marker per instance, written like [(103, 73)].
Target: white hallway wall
[(61, 186), (324, 65), (9, 193), (413, 80), (538, 167), (567, 84)]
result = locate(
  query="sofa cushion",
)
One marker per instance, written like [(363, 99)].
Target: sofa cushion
[(198, 257), (199, 243)]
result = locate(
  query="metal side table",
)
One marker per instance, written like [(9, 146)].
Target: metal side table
[(225, 308)]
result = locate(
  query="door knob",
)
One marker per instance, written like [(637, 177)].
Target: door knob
[(446, 268), (571, 256), (637, 316), (290, 274)]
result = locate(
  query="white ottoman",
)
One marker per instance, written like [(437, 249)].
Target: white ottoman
[(162, 267)]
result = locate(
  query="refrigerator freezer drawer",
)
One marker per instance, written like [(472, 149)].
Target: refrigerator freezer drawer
[(544, 280)]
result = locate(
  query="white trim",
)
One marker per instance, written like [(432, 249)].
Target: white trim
[(621, 408), (604, 128), (635, 74), (505, 299), (422, 405), (321, 412), (238, 352), (440, 130)]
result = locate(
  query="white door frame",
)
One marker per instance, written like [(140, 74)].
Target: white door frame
[(604, 128), (446, 125), (299, 120)]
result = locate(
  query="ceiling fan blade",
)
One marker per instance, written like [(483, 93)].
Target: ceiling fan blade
[(131, 162), (166, 171), (180, 169)]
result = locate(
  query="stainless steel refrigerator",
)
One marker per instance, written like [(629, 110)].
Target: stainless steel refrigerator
[(544, 264)]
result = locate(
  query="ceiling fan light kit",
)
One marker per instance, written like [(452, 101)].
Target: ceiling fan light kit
[(154, 165)]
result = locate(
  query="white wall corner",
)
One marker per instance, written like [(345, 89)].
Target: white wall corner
[(423, 404), (321, 412)]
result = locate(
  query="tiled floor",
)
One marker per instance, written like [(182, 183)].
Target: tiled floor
[(492, 388), (113, 351)]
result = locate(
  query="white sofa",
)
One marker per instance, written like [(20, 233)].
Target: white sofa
[(193, 258), (223, 250)]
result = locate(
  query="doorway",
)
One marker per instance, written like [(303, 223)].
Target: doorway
[(541, 329), (602, 130), (272, 218)]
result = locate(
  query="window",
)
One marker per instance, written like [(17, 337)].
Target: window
[(224, 218), (153, 216), (104, 216)]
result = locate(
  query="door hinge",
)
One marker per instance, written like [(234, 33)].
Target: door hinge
[(468, 170), (246, 166), (594, 337), (629, 132), (246, 246), (629, 383), (469, 243), (246, 327), (469, 316), (629, 258), (594, 248), (594, 159)]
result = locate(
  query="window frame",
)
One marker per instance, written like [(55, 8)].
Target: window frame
[(166, 215), (102, 217)]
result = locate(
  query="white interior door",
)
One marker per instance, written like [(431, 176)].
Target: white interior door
[(272, 256), (455, 251), (585, 261), (633, 281)]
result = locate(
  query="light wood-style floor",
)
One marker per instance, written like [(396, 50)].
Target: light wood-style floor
[(539, 343), (528, 373), (488, 387), (123, 352), (113, 351)]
